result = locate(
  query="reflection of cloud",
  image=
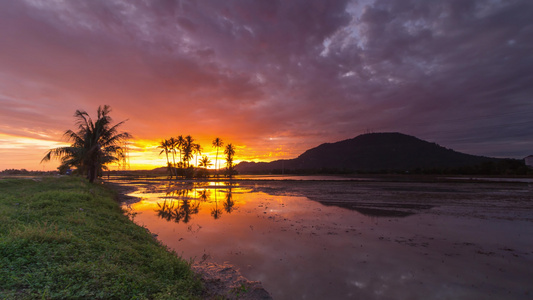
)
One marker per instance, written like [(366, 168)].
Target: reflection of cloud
[(307, 71)]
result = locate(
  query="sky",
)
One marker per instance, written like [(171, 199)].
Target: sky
[(274, 78)]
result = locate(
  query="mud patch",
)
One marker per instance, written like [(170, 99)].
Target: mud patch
[(227, 282)]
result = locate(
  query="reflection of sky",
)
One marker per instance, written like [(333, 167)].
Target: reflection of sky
[(301, 249)]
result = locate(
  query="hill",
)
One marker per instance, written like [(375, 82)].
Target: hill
[(373, 152)]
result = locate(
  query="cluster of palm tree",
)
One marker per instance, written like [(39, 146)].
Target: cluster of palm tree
[(94, 144), (188, 150)]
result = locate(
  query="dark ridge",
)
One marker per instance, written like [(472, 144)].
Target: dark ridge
[(375, 153)]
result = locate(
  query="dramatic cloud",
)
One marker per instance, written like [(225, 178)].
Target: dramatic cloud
[(274, 77)]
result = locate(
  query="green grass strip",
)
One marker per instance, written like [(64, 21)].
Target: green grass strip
[(63, 238)]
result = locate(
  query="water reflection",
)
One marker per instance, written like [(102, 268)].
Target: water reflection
[(229, 205), (429, 243), (182, 201), (381, 210)]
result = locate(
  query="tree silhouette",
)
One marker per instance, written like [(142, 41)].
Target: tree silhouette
[(205, 162), (166, 210), (187, 209), (230, 152), (215, 211), (188, 149), (179, 144), (204, 195), (164, 145), (217, 143), (229, 204), (197, 149), (94, 144), (173, 144)]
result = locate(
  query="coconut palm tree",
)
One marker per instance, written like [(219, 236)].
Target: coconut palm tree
[(164, 145), (197, 149), (188, 149), (205, 162), (172, 144), (179, 144), (230, 152), (94, 144), (217, 143)]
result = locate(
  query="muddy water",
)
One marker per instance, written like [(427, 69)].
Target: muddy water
[(360, 240)]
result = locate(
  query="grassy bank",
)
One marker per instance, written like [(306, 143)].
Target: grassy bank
[(66, 238)]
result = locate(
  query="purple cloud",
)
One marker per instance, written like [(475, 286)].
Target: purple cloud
[(305, 72)]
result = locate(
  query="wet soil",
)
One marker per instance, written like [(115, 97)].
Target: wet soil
[(221, 281), (341, 240)]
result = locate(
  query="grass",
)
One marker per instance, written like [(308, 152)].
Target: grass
[(66, 238)]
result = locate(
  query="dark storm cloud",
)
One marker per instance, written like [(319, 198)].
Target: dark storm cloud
[(455, 72), (445, 71)]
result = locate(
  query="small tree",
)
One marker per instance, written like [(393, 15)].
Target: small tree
[(205, 162)]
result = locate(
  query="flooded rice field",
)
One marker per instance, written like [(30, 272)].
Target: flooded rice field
[(351, 239)]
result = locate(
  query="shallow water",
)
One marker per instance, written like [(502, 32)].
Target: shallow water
[(344, 239)]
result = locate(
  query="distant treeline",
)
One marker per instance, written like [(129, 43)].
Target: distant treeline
[(25, 172), (499, 167)]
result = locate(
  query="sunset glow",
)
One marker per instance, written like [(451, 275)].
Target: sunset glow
[(273, 78)]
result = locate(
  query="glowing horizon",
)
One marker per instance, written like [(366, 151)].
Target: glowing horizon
[(275, 78), (143, 154)]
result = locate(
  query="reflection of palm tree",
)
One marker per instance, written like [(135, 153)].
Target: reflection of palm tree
[(166, 210), (216, 212), (204, 195), (229, 204), (187, 209), (217, 143), (179, 210), (94, 145)]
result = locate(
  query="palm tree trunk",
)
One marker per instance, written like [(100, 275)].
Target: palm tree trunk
[(91, 173), (216, 162), (168, 163), (174, 165)]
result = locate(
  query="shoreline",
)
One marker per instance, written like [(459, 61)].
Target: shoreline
[(220, 280)]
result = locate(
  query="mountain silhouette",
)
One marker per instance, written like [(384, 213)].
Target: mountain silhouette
[(371, 152)]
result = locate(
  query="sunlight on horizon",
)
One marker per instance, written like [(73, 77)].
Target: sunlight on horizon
[(143, 154)]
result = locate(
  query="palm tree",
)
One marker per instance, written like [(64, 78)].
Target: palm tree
[(230, 152), (188, 149), (164, 145), (172, 144), (94, 145), (197, 148), (205, 162), (217, 143), (179, 144)]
